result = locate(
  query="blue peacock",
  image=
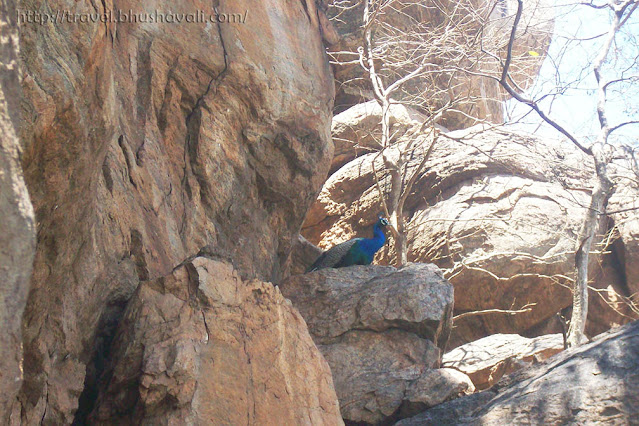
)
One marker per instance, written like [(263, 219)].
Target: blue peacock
[(358, 251)]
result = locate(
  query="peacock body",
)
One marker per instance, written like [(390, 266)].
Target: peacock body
[(358, 251)]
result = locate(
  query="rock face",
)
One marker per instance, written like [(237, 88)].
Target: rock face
[(17, 228), (499, 212), (381, 330), (597, 383), (486, 360), (147, 144), (201, 346)]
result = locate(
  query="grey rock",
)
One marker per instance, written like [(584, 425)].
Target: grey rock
[(597, 383), (381, 330), (333, 301), (17, 227), (486, 360)]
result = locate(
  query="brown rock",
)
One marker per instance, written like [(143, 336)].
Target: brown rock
[(379, 328), (486, 360), (17, 228), (202, 346), (597, 383), (147, 144)]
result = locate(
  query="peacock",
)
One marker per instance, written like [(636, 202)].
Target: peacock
[(358, 251)]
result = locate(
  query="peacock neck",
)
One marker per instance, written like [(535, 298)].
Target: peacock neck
[(371, 245), (378, 236)]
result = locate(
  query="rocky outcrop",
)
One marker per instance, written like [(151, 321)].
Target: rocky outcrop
[(499, 212), (147, 144), (486, 360), (597, 383), (381, 330), (17, 228), (202, 346)]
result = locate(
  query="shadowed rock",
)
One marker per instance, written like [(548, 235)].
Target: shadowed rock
[(17, 224), (597, 383)]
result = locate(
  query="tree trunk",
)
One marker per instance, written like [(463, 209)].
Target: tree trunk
[(393, 164), (598, 202), (401, 245), (401, 241), (396, 218)]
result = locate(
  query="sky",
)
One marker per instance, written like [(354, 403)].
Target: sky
[(568, 65)]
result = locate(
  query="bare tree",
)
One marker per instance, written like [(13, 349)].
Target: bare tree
[(601, 150)]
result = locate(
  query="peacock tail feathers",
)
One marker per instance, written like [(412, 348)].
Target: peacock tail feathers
[(333, 256)]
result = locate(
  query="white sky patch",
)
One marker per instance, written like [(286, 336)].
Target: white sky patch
[(567, 73)]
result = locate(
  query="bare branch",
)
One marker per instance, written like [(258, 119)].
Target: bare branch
[(619, 126), (526, 308)]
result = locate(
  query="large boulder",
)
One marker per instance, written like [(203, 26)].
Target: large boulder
[(202, 346), (499, 212), (358, 130), (416, 299), (486, 360), (17, 227), (597, 383), (381, 331), (149, 143)]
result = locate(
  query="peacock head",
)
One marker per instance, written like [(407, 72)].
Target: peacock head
[(382, 221)]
